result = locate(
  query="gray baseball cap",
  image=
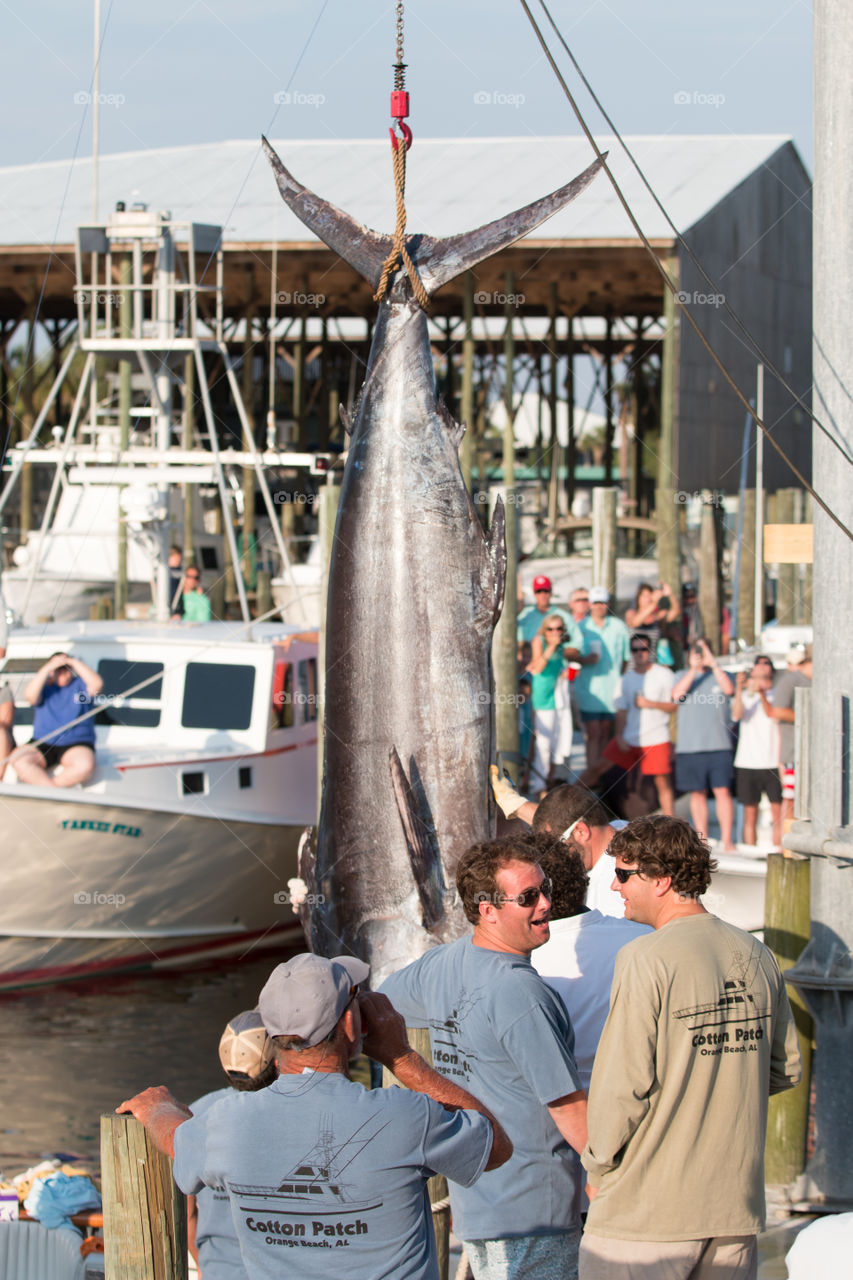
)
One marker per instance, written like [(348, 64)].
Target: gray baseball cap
[(306, 996)]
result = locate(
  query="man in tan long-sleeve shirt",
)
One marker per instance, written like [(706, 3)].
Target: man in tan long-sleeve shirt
[(699, 1034)]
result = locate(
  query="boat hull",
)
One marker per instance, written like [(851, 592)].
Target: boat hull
[(96, 888)]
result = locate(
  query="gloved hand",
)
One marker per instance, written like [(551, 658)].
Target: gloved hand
[(505, 793)]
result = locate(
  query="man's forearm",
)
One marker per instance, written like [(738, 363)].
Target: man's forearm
[(416, 1074), (569, 1115), (160, 1113)]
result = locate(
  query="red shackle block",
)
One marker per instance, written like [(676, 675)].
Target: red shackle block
[(399, 103)]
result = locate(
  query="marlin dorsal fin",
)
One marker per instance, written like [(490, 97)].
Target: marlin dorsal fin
[(437, 261)]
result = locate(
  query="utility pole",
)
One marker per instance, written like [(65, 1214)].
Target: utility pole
[(824, 973)]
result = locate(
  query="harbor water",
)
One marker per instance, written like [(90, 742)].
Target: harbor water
[(70, 1052)]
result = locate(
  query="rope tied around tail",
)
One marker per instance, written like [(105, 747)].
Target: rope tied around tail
[(398, 249)]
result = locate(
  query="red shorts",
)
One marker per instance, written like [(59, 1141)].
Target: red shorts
[(653, 761)]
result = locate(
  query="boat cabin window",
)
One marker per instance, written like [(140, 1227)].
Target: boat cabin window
[(245, 776), (140, 709), (192, 784), (282, 696), (217, 696), (308, 693)]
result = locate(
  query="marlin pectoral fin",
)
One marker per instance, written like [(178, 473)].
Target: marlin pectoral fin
[(422, 848), (363, 249), (496, 547), (440, 260), (455, 430)]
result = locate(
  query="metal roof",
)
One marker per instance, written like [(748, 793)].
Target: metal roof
[(453, 184)]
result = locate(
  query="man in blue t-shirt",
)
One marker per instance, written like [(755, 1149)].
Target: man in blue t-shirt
[(499, 1030), (61, 691), (315, 1162)]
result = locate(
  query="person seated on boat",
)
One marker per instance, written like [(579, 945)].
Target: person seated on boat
[(7, 719), (196, 606), (316, 1161), (61, 691), (248, 1060)]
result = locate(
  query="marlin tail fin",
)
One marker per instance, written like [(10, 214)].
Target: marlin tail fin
[(437, 260)]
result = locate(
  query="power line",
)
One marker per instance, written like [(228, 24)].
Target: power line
[(761, 354), (671, 285)]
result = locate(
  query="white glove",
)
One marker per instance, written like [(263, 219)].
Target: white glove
[(505, 793)]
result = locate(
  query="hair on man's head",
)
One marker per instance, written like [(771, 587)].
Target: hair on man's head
[(565, 805), (569, 880), (661, 846), (478, 868)]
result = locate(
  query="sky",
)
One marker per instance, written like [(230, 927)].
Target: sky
[(178, 72)]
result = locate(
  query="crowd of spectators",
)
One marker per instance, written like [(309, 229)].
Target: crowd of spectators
[(661, 716)]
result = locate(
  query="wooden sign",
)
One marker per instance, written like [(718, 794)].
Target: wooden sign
[(789, 544)]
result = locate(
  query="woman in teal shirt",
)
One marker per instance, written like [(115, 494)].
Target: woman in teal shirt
[(546, 667)]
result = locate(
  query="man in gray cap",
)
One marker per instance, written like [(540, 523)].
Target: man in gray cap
[(315, 1162)]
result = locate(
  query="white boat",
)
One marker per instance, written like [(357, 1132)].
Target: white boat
[(180, 846)]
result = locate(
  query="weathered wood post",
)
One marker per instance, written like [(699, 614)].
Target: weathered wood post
[(604, 539), (436, 1186), (504, 645), (263, 599), (667, 509), (145, 1215), (787, 923), (709, 571), (745, 603)]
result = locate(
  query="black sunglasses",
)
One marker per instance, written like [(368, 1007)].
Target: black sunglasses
[(623, 874), (640, 648), (530, 897)]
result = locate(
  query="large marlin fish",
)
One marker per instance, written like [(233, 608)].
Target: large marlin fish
[(415, 591)]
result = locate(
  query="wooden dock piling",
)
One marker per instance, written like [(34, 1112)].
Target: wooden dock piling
[(145, 1215)]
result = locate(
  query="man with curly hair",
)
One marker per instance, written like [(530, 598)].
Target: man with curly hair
[(699, 1034), (495, 1026)]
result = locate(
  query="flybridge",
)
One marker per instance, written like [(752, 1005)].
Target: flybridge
[(149, 294)]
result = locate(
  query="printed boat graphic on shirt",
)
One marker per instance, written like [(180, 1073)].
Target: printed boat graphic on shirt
[(315, 1183), (735, 1006)]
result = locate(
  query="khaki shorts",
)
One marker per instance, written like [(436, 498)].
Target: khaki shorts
[(717, 1258)]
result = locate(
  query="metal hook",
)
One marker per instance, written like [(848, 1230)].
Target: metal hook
[(406, 132)]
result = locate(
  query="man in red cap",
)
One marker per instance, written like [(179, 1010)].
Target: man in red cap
[(533, 615)]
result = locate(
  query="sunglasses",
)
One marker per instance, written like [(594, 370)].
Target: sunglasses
[(623, 874), (640, 648), (560, 629), (530, 897)]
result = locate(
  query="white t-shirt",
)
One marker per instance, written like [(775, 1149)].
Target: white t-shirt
[(647, 727), (577, 962), (758, 737), (599, 895)]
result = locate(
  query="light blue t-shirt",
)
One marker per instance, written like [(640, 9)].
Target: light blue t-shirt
[(704, 719), (219, 1256), (316, 1165), (530, 620), (594, 688), (498, 1030)]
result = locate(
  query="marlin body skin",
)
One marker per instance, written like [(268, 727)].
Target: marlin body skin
[(415, 591)]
